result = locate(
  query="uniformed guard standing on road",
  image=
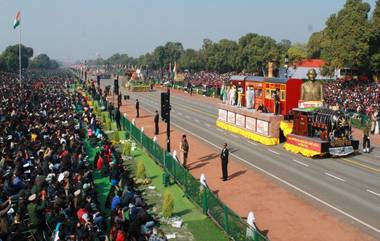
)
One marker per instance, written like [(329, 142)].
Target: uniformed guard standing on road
[(366, 138), (117, 119), (224, 158), (137, 108), (119, 100), (110, 111), (156, 120), (184, 148)]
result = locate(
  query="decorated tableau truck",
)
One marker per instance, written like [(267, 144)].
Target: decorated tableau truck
[(274, 110)]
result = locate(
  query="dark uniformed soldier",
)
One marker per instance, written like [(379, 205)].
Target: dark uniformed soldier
[(156, 120), (224, 158)]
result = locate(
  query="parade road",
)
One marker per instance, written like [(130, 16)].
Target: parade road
[(347, 187)]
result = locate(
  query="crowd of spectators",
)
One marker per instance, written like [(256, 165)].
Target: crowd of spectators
[(47, 189), (200, 78), (207, 78), (353, 96)]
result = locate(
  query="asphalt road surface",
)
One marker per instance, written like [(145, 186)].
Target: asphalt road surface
[(347, 187)]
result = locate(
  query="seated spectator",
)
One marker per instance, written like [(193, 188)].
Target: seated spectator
[(46, 177), (35, 212), (157, 235), (116, 201), (262, 108), (4, 224)]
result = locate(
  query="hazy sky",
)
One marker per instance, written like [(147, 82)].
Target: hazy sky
[(69, 30)]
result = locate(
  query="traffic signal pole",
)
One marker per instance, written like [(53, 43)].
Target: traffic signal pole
[(168, 124), (115, 89), (165, 115)]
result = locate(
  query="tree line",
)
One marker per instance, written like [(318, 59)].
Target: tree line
[(9, 59), (350, 38)]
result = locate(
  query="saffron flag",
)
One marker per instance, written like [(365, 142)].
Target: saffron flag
[(17, 20)]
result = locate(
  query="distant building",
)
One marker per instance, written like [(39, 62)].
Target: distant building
[(299, 69)]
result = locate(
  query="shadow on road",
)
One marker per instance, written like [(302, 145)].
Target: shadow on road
[(236, 174), (199, 166), (144, 116), (208, 157)]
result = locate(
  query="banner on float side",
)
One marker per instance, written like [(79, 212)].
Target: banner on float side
[(231, 117), (262, 127), (222, 115), (306, 144), (250, 123), (240, 120)]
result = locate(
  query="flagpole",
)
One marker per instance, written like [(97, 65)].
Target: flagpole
[(19, 57)]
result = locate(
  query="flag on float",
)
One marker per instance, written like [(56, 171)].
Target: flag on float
[(17, 20)]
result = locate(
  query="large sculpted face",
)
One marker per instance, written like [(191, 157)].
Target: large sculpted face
[(311, 74)]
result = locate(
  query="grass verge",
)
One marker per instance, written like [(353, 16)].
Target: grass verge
[(201, 227)]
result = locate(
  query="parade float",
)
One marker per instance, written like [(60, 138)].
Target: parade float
[(271, 110), (135, 80)]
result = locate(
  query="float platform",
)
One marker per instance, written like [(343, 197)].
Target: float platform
[(254, 125)]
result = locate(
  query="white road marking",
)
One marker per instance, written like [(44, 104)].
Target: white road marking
[(180, 113), (301, 163), (234, 136), (196, 120), (331, 175), (284, 181), (275, 152), (375, 193), (377, 156), (253, 143)]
